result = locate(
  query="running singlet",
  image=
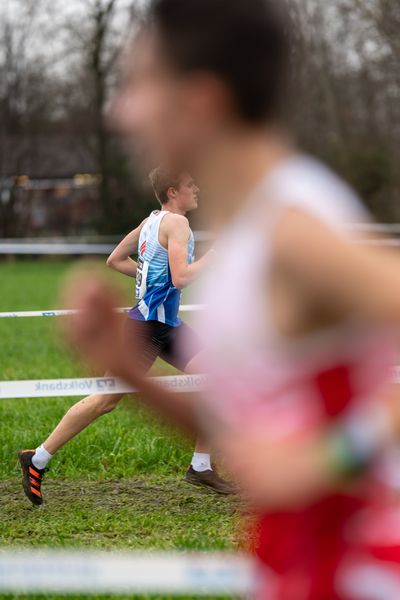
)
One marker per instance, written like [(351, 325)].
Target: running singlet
[(281, 388), (158, 299)]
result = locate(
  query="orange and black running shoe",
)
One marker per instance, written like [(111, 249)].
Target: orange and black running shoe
[(31, 477)]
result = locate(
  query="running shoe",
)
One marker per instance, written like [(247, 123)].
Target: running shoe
[(32, 477), (211, 480)]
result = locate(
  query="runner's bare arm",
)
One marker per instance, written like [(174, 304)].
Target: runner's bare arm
[(352, 280), (355, 282), (120, 260), (178, 231)]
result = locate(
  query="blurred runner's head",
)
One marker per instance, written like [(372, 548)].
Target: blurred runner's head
[(199, 69)]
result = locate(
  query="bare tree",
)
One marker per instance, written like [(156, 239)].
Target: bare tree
[(24, 101), (97, 44), (58, 69), (347, 100)]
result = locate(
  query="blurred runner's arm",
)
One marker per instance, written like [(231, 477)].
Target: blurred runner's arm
[(120, 260), (346, 279), (294, 471), (183, 274), (354, 282)]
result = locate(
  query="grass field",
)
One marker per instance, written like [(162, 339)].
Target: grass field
[(117, 485)]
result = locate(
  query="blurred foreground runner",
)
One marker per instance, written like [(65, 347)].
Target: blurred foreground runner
[(297, 331)]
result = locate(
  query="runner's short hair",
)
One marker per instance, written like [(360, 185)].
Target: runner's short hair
[(161, 181), (244, 43)]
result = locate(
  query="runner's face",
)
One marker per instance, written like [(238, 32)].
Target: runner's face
[(187, 194), (160, 112)]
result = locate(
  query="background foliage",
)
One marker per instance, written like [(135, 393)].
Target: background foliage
[(58, 66)]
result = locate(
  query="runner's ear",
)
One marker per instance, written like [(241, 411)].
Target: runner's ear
[(172, 191)]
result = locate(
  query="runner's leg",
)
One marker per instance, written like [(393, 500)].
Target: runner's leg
[(84, 412), (201, 459), (183, 351), (145, 350), (78, 417), (81, 415)]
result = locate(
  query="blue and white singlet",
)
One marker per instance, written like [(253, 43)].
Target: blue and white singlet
[(158, 298)]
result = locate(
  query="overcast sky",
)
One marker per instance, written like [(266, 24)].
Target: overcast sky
[(50, 38), (43, 25)]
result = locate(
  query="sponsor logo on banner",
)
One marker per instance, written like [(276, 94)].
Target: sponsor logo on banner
[(105, 384), (62, 385), (182, 381)]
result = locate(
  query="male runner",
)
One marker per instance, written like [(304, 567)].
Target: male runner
[(298, 315), (165, 246)]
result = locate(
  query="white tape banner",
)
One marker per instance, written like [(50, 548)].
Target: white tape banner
[(63, 313), (85, 386), (62, 572), (71, 246)]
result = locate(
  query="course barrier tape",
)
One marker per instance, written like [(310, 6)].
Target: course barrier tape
[(56, 248), (65, 247), (71, 572), (85, 386), (64, 313)]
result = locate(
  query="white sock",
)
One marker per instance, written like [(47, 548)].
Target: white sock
[(41, 457), (201, 462)]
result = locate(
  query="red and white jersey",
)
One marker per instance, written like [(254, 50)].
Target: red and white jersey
[(278, 387), (259, 377)]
